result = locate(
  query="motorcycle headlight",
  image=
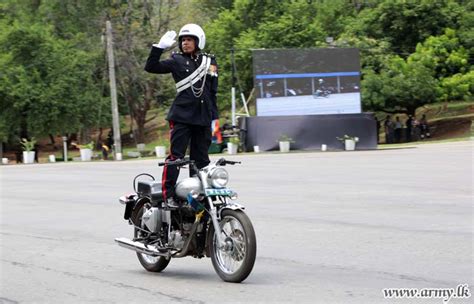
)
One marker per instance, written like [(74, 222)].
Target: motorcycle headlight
[(218, 177)]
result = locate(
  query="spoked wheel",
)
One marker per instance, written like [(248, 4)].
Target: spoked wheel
[(234, 260), (150, 263)]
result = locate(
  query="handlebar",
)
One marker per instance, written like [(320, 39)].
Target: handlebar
[(187, 161), (178, 162), (223, 162)]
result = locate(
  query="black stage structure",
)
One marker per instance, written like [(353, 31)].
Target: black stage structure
[(309, 132)]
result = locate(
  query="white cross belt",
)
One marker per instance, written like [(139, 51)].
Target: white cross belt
[(199, 73)]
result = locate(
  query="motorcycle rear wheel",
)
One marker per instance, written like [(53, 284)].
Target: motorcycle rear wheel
[(150, 263), (235, 261)]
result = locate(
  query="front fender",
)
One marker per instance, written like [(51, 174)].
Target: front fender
[(231, 206)]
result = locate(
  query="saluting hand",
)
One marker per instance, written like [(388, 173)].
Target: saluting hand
[(167, 40)]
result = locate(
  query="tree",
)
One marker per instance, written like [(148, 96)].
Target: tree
[(400, 88), (457, 87), (53, 68), (403, 24), (443, 54), (47, 86), (394, 50), (64, 55)]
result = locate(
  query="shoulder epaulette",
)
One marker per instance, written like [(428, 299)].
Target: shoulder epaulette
[(209, 55)]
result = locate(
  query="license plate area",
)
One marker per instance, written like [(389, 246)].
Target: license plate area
[(219, 192)]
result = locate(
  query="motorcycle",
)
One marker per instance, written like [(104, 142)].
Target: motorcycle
[(322, 91), (206, 222)]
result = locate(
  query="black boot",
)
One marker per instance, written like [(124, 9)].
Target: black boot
[(171, 203)]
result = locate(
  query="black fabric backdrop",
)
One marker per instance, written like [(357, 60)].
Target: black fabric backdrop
[(309, 132)]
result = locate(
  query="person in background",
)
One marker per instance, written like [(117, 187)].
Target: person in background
[(398, 130), (424, 128), (226, 126), (216, 132), (105, 151), (110, 140), (409, 125), (378, 125), (388, 128)]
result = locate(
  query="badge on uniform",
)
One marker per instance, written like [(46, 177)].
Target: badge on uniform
[(212, 70)]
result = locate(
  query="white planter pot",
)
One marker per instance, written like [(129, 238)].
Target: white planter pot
[(160, 151), (52, 158), (86, 154), (256, 149), (232, 148), (350, 144), (5, 161), (284, 146), (324, 147), (28, 157)]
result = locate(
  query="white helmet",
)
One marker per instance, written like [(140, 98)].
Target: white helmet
[(194, 30)]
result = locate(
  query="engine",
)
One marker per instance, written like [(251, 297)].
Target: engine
[(153, 219), (176, 239), (179, 235)]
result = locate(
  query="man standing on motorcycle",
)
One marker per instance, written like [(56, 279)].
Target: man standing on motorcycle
[(194, 107)]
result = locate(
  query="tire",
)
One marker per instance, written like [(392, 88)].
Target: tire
[(150, 263), (241, 250)]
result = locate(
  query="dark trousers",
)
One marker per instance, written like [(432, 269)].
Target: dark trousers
[(198, 138), (398, 135)]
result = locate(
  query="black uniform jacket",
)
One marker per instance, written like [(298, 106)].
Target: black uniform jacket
[(187, 108)]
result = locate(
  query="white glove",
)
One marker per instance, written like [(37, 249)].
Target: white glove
[(167, 40)]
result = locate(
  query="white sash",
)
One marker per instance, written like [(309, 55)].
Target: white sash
[(195, 76)]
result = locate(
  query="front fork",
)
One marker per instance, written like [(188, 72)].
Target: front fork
[(215, 222)]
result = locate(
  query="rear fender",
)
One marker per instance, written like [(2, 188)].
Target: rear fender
[(134, 218)]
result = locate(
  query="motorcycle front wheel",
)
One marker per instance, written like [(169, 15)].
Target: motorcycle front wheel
[(234, 260), (150, 263)]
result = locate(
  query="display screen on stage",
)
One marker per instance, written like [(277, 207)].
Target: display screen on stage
[(307, 81)]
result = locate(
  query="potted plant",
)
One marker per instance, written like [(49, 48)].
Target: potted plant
[(28, 147), (233, 145), (86, 151), (160, 151), (349, 142), (284, 141), (141, 147)]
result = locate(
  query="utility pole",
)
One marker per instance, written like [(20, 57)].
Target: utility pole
[(64, 148), (113, 93), (234, 98), (233, 87)]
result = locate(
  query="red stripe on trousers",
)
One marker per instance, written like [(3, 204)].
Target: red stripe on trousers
[(163, 187), (165, 170)]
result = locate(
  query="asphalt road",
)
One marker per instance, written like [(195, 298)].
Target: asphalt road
[(332, 227)]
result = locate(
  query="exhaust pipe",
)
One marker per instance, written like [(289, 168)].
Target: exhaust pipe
[(141, 248)]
